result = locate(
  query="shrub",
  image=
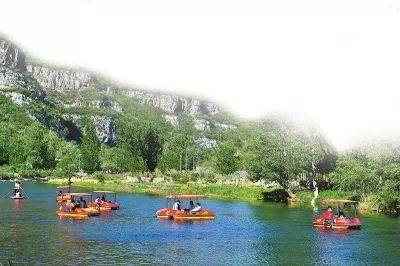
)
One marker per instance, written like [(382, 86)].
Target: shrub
[(100, 177)]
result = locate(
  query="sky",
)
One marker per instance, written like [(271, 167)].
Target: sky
[(337, 62)]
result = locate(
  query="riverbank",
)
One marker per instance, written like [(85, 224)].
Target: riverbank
[(214, 191), (245, 192)]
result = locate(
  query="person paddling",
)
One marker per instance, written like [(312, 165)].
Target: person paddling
[(17, 188)]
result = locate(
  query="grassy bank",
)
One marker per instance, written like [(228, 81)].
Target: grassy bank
[(214, 191)]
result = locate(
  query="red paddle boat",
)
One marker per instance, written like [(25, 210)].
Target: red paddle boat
[(105, 203), (176, 212), (338, 221), (74, 210)]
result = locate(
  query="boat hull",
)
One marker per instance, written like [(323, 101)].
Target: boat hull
[(105, 206), (169, 214), (17, 198), (64, 211)]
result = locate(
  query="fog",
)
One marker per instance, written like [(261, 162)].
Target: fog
[(335, 61)]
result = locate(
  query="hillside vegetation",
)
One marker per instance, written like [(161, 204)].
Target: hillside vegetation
[(57, 122)]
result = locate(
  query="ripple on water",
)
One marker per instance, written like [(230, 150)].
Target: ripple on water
[(241, 234)]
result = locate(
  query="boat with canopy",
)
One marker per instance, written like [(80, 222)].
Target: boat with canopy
[(107, 200), (175, 212), (77, 206), (339, 220)]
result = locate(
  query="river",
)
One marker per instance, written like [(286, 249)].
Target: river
[(241, 234)]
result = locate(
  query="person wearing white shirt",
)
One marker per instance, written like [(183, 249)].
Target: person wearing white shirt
[(197, 208), (176, 206)]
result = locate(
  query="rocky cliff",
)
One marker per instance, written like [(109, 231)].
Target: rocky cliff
[(12, 63), (74, 90)]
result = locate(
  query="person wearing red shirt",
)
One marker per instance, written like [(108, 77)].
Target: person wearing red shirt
[(328, 214)]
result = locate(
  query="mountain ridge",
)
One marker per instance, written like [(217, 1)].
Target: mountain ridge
[(62, 86)]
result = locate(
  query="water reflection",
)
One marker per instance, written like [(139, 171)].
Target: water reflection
[(31, 233)]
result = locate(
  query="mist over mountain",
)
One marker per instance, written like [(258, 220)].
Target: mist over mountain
[(69, 94)]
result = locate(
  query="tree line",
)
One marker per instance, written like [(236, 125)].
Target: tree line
[(268, 149)]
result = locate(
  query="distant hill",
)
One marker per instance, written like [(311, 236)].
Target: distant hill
[(68, 93)]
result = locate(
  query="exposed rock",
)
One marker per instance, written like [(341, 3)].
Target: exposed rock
[(103, 103), (18, 98), (11, 56), (206, 143), (111, 90), (173, 104), (157, 180), (105, 127), (173, 119), (61, 79), (226, 126), (107, 103), (146, 179), (132, 179), (10, 78), (201, 124)]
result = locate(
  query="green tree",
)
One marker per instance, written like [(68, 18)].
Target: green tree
[(389, 197), (67, 160), (90, 148), (142, 138), (226, 158), (180, 147), (151, 147), (35, 146), (118, 159), (355, 174), (54, 143), (4, 143), (276, 157), (17, 154)]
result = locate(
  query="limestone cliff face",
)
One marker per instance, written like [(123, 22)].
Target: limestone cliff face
[(12, 63), (11, 56), (70, 85), (173, 104), (61, 80), (65, 80), (105, 127)]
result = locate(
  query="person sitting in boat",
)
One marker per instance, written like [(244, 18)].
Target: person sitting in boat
[(103, 198), (60, 193), (97, 201), (328, 215), (340, 216), (197, 208), (83, 202), (177, 206), (191, 206), (72, 204)]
